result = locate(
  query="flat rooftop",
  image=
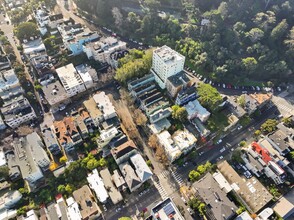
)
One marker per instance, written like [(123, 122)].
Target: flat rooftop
[(87, 205), (114, 194), (55, 93), (166, 209), (253, 193), (168, 55)]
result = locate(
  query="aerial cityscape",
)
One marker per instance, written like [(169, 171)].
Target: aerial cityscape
[(146, 110)]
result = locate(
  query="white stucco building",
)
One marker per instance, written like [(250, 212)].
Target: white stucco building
[(165, 63), (71, 80)]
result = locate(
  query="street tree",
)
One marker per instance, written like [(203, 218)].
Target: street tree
[(26, 30), (61, 189), (4, 172), (269, 125), (194, 175)]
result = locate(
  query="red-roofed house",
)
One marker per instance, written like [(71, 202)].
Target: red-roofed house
[(265, 155)]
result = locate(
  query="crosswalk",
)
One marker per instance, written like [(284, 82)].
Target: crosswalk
[(160, 189), (178, 178), (283, 107)]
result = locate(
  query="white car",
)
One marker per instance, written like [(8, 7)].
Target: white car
[(240, 127), (223, 149), (224, 86), (220, 158), (219, 141), (201, 153)]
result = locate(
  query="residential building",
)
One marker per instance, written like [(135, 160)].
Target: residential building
[(74, 36), (175, 83), (244, 216), (218, 204), (283, 142), (61, 208), (42, 64), (166, 210), (186, 95), (132, 180), (196, 110), (144, 89), (160, 126), (261, 99), (86, 76), (141, 168), (235, 107), (28, 159), (95, 113), (4, 62), (33, 48), (250, 191), (203, 131), (123, 152), (2, 124), (67, 134), (105, 106), (71, 80), (284, 207), (106, 136), (3, 161), (80, 124), (42, 18), (9, 85), (141, 81), (135, 172), (114, 194), (17, 111), (119, 181), (55, 20), (160, 114), (254, 163), (31, 215), (56, 96), (73, 209), (222, 182), (47, 79), (50, 141), (276, 156), (96, 184), (103, 49), (165, 63), (9, 199), (86, 203), (181, 142)]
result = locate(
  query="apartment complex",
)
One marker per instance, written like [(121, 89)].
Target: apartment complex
[(71, 80), (165, 63)]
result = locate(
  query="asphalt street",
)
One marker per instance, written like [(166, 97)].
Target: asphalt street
[(212, 152), (134, 204)]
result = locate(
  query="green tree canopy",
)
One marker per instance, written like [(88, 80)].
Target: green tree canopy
[(136, 64), (4, 172), (194, 175), (179, 113), (209, 96), (61, 189), (26, 30), (269, 126), (124, 218)]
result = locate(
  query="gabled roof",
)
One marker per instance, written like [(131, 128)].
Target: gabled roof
[(141, 168), (123, 149), (262, 151), (214, 197), (131, 178)]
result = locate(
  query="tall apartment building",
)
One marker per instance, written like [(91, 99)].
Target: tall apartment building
[(165, 63)]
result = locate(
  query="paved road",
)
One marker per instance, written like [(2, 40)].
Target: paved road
[(135, 204), (212, 152)]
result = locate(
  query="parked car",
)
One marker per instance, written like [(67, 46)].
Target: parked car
[(224, 86), (222, 150), (219, 141)]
